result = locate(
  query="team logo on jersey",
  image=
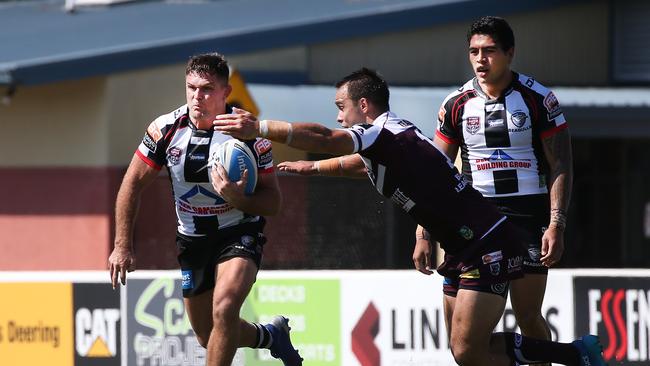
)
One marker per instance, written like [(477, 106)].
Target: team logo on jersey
[(154, 131), (247, 240), (534, 253), (360, 129), (441, 114), (473, 274), (472, 125), (552, 106), (247, 244), (262, 146), (499, 288), (519, 118), (499, 154), (530, 82), (466, 232), (178, 112), (174, 156), (405, 123), (149, 142), (492, 257), (187, 280), (495, 269), (514, 263)]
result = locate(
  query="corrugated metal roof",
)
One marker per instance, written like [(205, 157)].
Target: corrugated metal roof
[(40, 42)]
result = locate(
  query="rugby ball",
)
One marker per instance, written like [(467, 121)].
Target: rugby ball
[(235, 156)]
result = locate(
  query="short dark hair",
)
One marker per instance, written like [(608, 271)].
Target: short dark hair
[(209, 64), (367, 83), (495, 27)]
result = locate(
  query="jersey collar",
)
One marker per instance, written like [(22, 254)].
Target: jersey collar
[(508, 89)]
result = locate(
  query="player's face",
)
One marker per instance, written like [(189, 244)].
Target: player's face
[(350, 112), (491, 64), (206, 97)]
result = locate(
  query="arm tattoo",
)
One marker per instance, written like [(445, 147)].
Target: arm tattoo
[(560, 175)]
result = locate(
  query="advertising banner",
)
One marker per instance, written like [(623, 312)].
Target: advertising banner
[(36, 324), (159, 332), (313, 308), (97, 322), (397, 318), (618, 310), (393, 318)]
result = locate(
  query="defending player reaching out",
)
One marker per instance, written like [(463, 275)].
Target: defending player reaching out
[(483, 251)]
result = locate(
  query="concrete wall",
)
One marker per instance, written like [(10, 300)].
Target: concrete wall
[(567, 45)]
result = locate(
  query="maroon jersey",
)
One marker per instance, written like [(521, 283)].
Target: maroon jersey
[(406, 167)]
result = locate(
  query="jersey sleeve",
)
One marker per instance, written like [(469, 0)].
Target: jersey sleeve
[(552, 121), (152, 148), (363, 135), (263, 150), (447, 128)]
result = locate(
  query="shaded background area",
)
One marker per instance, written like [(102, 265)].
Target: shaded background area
[(325, 223)]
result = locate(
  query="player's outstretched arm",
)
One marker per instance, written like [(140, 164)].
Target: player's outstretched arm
[(349, 166), (122, 258), (311, 137)]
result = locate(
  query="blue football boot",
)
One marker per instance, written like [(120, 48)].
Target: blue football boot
[(591, 351), (281, 347)]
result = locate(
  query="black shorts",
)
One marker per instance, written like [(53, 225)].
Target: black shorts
[(198, 256), (491, 263), (530, 216)]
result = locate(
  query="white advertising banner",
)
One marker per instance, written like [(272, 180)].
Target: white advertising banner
[(397, 318), (393, 318)]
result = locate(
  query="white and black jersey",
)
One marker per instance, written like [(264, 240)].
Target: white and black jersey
[(501, 139), (406, 167), (173, 141)]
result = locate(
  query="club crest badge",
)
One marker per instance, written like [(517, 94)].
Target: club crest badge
[(472, 125)]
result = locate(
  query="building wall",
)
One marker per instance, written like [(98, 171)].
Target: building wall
[(60, 124), (55, 182), (549, 45)]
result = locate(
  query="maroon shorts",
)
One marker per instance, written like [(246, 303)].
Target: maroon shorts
[(487, 265)]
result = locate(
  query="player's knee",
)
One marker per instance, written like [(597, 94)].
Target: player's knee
[(531, 322), (461, 352), (463, 357), (225, 312), (464, 353)]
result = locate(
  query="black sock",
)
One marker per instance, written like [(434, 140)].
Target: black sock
[(264, 338), (527, 351)]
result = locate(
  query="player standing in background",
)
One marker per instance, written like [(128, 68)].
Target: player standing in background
[(483, 252), (220, 228), (516, 151)]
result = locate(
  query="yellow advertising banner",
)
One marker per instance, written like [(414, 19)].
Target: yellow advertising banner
[(36, 324)]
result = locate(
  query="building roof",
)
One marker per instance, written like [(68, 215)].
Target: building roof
[(43, 43)]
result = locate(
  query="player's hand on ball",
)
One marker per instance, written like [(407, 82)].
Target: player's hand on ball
[(230, 191), (301, 167)]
